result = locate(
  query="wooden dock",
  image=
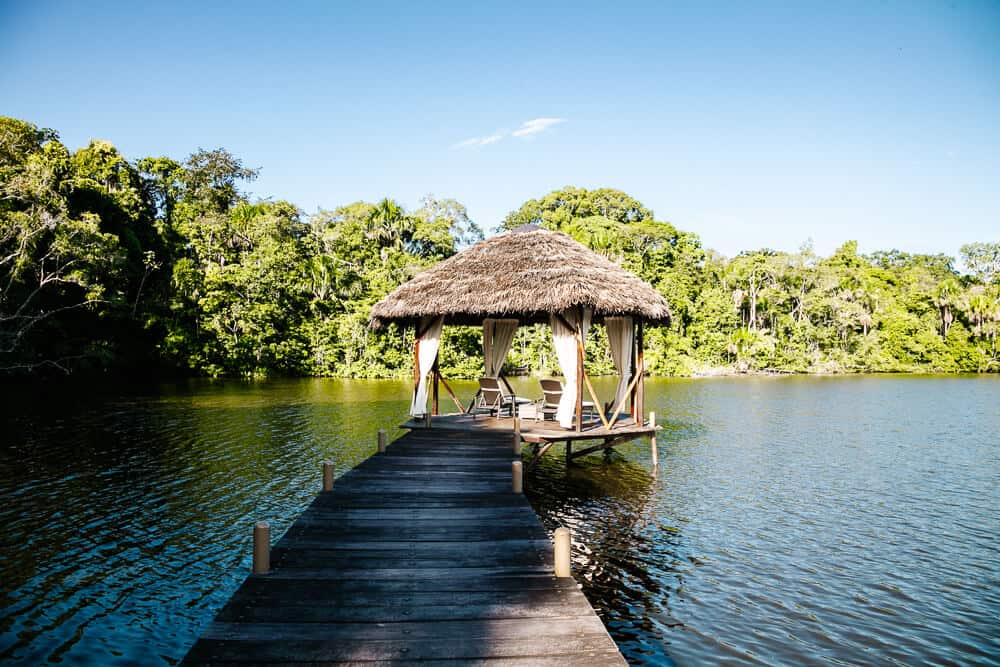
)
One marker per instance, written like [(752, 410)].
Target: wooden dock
[(421, 554), (536, 431)]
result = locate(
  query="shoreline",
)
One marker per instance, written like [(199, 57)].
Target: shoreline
[(131, 380)]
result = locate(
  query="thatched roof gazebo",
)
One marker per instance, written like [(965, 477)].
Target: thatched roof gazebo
[(529, 275)]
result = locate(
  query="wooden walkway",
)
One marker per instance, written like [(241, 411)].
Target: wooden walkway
[(422, 554)]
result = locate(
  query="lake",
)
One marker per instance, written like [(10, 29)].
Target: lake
[(834, 520)]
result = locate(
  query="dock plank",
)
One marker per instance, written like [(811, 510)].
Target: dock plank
[(421, 555)]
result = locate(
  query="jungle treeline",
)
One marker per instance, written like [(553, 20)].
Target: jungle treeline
[(159, 267)]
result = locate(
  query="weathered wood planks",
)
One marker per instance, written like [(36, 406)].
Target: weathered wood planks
[(419, 555)]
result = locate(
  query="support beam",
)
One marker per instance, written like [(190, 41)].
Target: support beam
[(516, 439), (632, 372), (437, 378), (579, 382), (607, 444), (631, 390), (416, 363), (652, 441), (447, 387), (597, 403), (537, 456), (640, 395)]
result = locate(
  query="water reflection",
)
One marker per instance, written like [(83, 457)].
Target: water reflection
[(791, 521), (606, 503)]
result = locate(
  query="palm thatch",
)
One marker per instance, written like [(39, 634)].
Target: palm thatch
[(525, 274)]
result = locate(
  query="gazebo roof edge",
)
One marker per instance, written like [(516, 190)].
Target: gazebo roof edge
[(524, 275)]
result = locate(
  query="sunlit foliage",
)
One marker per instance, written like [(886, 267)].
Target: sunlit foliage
[(161, 266)]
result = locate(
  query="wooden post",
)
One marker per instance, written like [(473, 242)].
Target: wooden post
[(652, 440), (579, 382), (383, 441), (569, 451), (437, 377), (632, 371), (517, 436), (427, 420), (328, 475), (416, 360), (561, 548), (516, 478), (640, 391), (261, 547)]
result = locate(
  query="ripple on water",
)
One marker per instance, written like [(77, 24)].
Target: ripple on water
[(845, 521)]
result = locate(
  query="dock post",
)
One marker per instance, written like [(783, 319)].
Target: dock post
[(383, 441), (562, 541), (261, 547), (427, 420), (328, 475), (516, 480), (652, 440)]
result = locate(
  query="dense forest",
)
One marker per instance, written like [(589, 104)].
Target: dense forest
[(156, 267)]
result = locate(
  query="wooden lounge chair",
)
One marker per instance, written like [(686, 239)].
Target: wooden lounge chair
[(495, 397), (552, 391)]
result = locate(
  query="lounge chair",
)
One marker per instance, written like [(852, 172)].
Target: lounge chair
[(495, 397), (552, 391)]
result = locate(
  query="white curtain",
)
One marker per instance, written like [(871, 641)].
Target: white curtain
[(498, 336), (620, 338), (565, 344), (430, 341)]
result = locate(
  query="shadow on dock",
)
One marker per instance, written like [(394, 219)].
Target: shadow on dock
[(419, 554)]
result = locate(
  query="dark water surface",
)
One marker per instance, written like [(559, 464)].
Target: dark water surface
[(792, 521)]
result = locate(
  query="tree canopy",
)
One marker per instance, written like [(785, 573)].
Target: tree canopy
[(160, 265)]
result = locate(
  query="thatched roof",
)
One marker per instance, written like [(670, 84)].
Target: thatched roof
[(526, 274)]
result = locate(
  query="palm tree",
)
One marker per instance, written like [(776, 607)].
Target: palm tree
[(389, 225), (945, 300), (979, 310), (866, 320)]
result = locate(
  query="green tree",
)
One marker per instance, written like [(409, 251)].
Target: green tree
[(559, 208), (57, 266), (983, 259)]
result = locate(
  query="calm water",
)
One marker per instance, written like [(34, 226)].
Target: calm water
[(792, 521)]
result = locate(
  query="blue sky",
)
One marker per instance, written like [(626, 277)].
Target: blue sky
[(751, 124)]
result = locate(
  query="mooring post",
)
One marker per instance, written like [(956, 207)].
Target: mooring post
[(383, 441), (328, 475), (652, 440), (517, 436), (561, 551), (427, 420), (516, 479), (261, 547)]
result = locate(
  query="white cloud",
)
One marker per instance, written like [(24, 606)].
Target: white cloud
[(479, 141), (527, 129), (534, 126)]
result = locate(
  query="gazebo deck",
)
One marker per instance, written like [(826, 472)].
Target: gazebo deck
[(536, 431)]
